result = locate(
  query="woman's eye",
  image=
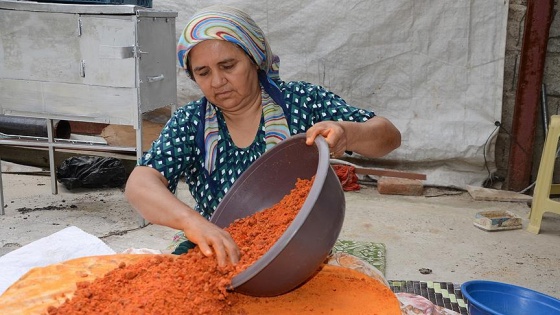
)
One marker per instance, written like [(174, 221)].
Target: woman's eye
[(229, 66)]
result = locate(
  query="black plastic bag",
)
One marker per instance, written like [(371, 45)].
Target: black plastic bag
[(91, 172)]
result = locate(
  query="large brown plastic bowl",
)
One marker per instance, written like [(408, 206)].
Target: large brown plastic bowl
[(299, 252)]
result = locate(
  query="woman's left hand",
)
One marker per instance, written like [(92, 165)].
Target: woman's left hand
[(373, 138), (332, 132)]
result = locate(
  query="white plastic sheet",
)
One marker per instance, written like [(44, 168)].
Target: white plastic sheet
[(63, 245), (434, 68)]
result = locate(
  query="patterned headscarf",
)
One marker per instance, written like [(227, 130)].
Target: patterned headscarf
[(232, 25), (235, 26)]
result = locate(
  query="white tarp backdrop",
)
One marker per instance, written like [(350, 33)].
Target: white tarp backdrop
[(433, 67)]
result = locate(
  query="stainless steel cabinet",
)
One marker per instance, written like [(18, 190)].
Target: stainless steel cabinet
[(97, 63), (93, 63)]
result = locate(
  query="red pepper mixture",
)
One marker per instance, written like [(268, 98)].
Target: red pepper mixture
[(190, 283)]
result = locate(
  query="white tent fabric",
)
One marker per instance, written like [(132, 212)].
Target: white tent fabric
[(434, 68)]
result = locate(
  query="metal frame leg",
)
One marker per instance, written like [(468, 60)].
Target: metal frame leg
[(50, 128), (2, 212), (141, 221)]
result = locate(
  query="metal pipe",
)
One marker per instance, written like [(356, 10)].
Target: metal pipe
[(32, 139), (531, 69), (37, 127), (70, 145)]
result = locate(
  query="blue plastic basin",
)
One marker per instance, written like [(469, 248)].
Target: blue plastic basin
[(497, 298)]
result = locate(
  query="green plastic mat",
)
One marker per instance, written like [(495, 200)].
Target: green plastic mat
[(372, 253)]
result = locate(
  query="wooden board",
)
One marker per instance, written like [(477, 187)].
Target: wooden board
[(487, 194), (389, 173)]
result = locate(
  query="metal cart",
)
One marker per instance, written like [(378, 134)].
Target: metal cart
[(92, 63)]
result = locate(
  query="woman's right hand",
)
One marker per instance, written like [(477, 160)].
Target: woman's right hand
[(146, 190), (213, 241)]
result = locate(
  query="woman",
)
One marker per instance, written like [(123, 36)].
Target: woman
[(246, 109)]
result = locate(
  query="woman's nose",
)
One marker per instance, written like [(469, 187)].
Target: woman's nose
[(218, 79)]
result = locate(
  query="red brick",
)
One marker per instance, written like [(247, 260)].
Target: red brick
[(400, 186)]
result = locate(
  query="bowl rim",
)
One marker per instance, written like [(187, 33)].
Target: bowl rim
[(320, 178), (494, 284)]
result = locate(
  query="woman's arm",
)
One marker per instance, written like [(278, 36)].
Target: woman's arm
[(146, 190), (373, 138)]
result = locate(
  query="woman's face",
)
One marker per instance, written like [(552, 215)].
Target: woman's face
[(225, 74)]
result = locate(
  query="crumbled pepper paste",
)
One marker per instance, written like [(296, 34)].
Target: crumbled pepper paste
[(190, 283)]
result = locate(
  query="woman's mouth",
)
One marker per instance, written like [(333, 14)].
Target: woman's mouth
[(222, 94)]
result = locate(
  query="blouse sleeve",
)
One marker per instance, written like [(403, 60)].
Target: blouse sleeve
[(174, 150), (311, 103)]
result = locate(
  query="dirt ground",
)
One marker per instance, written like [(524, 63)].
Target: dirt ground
[(433, 231)]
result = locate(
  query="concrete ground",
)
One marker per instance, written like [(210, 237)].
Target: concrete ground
[(433, 231)]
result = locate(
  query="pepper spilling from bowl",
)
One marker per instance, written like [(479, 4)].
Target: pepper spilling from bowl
[(306, 243)]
